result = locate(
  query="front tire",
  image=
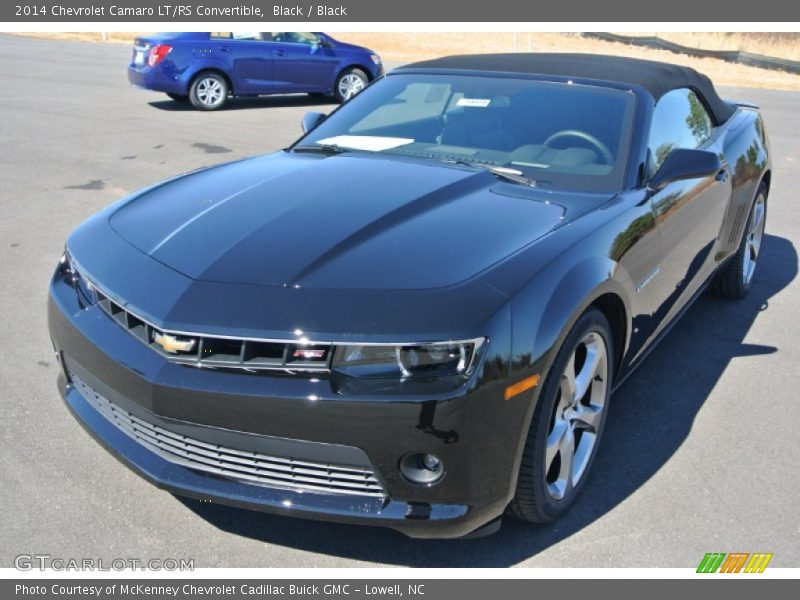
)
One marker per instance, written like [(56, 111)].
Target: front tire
[(209, 91), (349, 83), (567, 422), (736, 277)]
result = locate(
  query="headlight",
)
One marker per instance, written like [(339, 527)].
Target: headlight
[(67, 271), (65, 266), (375, 58), (424, 360)]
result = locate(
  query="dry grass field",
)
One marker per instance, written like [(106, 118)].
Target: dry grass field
[(405, 47), (418, 46), (778, 45)]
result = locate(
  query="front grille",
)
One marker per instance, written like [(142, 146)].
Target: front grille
[(218, 352), (241, 465)]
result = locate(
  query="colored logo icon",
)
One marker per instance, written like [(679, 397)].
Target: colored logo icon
[(735, 562)]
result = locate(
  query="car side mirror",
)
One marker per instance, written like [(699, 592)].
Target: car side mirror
[(324, 42), (311, 120), (685, 163)]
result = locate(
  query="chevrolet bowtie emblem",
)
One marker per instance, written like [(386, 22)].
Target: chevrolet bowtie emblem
[(172, 344)]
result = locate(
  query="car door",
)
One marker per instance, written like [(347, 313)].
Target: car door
[(689, 213), (249, 60), (301, 62)]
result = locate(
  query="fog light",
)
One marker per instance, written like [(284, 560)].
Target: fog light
[(431, 462), (422, 468)]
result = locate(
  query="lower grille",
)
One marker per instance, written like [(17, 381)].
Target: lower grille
[(241, 465)]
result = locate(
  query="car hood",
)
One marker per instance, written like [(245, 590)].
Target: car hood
[(348, 221), (352, 47)]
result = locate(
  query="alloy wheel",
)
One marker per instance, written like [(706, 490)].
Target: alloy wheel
[(350, 85), (577, 416), (210, 92), (753, 239)]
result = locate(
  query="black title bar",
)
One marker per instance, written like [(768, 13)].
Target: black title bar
[(382, 589), (442, 11)]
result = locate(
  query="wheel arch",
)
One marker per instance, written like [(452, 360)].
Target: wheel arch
[(353, 65), (766, 179), (592, 283), (613, 308), (610, 299)]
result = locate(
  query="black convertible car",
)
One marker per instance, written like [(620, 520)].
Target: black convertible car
[(415, 315)]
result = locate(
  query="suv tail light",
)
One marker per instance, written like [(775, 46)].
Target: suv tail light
[(157, 54)]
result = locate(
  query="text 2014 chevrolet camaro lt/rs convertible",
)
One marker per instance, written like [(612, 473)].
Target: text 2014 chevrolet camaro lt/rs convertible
[(415, 315)]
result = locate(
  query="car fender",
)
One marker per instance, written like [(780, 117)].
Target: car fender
[(542, 322)]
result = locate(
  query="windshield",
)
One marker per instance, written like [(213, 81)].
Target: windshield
[(560, 135)]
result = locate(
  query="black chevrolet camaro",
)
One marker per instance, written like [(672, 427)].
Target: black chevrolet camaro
[(415, 315)]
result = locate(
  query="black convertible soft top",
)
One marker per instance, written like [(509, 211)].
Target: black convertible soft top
[(656, 77)]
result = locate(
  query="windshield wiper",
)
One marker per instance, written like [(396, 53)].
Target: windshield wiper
[(320, 148), (513, 175)]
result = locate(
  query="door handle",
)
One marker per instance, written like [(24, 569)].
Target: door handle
[(279, 53), (225, 48)]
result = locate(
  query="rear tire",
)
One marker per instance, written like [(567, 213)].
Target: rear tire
[(209, 91), (349, 83), (179, 97), (567, 423), (736, 277)]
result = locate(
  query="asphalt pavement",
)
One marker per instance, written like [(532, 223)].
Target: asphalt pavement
[(701, 450)]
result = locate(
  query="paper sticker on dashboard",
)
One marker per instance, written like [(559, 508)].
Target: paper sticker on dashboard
[(474, 102)]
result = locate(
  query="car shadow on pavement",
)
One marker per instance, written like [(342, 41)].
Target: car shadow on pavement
[(285, 101), (637, 443)]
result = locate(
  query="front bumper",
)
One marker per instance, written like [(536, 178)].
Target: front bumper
[(473, 431), (414, 520)]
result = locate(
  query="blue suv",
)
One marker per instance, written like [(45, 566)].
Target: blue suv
[(207, 68)]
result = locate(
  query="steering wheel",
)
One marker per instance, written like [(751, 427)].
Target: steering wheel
[(605, 153)]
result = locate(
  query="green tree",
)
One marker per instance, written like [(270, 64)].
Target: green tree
[(697, 120)]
